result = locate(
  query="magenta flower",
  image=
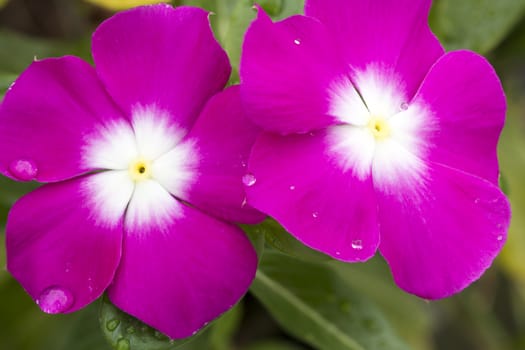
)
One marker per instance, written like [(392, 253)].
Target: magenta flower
[(377, 139), (144, 169)]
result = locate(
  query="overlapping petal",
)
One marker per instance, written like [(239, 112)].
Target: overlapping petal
[(182, 271), (160, 56), (59, 252), (287, 69), (392, 34), (441, 236), (45, 115), (467, 102), (222, 138), (308, 193)]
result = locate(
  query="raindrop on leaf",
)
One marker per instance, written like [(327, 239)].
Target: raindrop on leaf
[(122, 344), (111, 325)]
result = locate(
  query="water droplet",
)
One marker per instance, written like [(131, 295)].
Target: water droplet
[(297, 42), (90, 285), (337, 253), (194, 332), (23, 169), (244, 202), (357, 244), (315, 214), (130, 330), (55, 300), (403, 106), (249, 180), (111, 325), (476, 201), (499, 238), (122, 344), (292, 188)]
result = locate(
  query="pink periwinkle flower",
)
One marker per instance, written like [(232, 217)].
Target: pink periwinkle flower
[(143, 158), (376, 139)]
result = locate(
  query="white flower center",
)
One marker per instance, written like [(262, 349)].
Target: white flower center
[(380, 134), (145, 163)]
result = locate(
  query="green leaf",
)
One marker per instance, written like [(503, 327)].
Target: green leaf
[(256, 237), (18, 51), (230, 24), (223, 330), (272, 7), (479, 25), (281, 240), (10, 191), (315, 305), (273, 345), (290, 8), (125, 332), (81, 332), (410, 316)]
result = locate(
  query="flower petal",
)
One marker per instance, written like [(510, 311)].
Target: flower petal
[(300, 181), (465, 96), (287, 70), (59, 252), (222, 138), (163, 57), (45, 116), (442, 239), (392, 34), (182, 271)]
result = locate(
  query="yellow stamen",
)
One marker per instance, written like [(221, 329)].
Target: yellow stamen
[(140, 169), (379, 127)]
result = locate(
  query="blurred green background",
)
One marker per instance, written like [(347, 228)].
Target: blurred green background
[(488, 315)]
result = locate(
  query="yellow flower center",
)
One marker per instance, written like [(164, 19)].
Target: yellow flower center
[(379, 127), (140, 169)]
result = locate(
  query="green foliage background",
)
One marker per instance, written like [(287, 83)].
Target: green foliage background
[(300, 299)]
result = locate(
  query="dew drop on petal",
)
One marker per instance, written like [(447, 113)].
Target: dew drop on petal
[(297, 42), (403, 106), (337, 253), (315, 214), (111, 325), (249, 180), (23, 169), (55, 300), (122, 344), (357, 244), (292, 188), (476, 201), (499, 238)]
